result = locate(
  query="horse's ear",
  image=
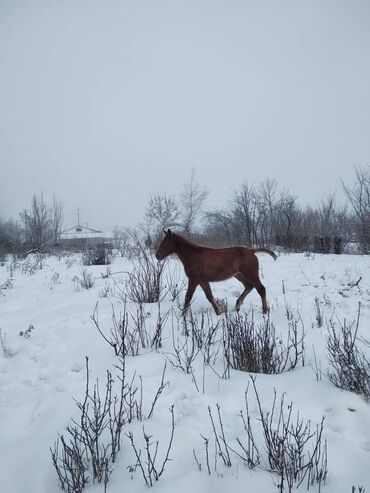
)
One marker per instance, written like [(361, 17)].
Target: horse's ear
[(169, 232)]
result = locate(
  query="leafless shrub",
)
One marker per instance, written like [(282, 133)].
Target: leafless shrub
[(160, 324), (4, 347), (185, 349), (316, 366), (69, 260), (70, 462), (349, 366), (55, 278), (106, 290), (247, 448), (86, 280), (146, 460), (94, 421), (256, 347), (206, 333), (126, 341), (94, 439), (144, 284), (221, 446), (174, 282), (289, 313), (133, 398), (248, 451), (318, 312), (359, 489), (294, 452), (127, 333), (31, 264), (138, 322), (117, 333), (160, 389)]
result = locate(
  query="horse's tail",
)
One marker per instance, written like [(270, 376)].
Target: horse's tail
[(265, 250)]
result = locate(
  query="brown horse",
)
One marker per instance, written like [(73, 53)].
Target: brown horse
[(204, 265)]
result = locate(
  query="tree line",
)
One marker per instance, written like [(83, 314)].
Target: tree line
[(254, 215), (266, 214), (38, 228)]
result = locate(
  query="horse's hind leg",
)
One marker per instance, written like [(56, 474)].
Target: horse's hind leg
[(208, 292), (255, 282), (262, 292), (248, 288)]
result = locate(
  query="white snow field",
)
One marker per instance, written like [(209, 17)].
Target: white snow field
[(43, 371)]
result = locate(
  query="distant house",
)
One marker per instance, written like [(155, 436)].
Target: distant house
[(80, 236)]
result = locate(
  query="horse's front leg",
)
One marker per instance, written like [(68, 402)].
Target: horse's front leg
[(189, 294)]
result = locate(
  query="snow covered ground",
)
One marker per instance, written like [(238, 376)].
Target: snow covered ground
[(44, 372)]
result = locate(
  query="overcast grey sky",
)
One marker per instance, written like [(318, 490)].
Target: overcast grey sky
[(104, 102)]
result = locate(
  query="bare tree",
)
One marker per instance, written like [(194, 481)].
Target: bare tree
[(37, 223), (288, 212), (192, 200), (268, 191), (244, 212), (162, 212), (218, 227), (333, 218), (56, 220), (359, 198)]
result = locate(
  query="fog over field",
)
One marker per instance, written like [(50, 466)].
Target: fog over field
[(104, 103)]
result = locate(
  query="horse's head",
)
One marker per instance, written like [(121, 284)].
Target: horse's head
[(167, 246)]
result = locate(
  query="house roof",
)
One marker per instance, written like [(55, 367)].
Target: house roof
[(81, 232)]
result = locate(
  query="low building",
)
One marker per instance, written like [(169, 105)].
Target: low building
[(81, 236)]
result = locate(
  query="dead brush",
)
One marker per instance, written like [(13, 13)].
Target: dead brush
[(85, 281), (145, 281), (289, 447), (147, 459), (349, 366), (255, 347), (91, 443)]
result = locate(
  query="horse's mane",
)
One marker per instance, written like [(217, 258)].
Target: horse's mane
[(185, 241)]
